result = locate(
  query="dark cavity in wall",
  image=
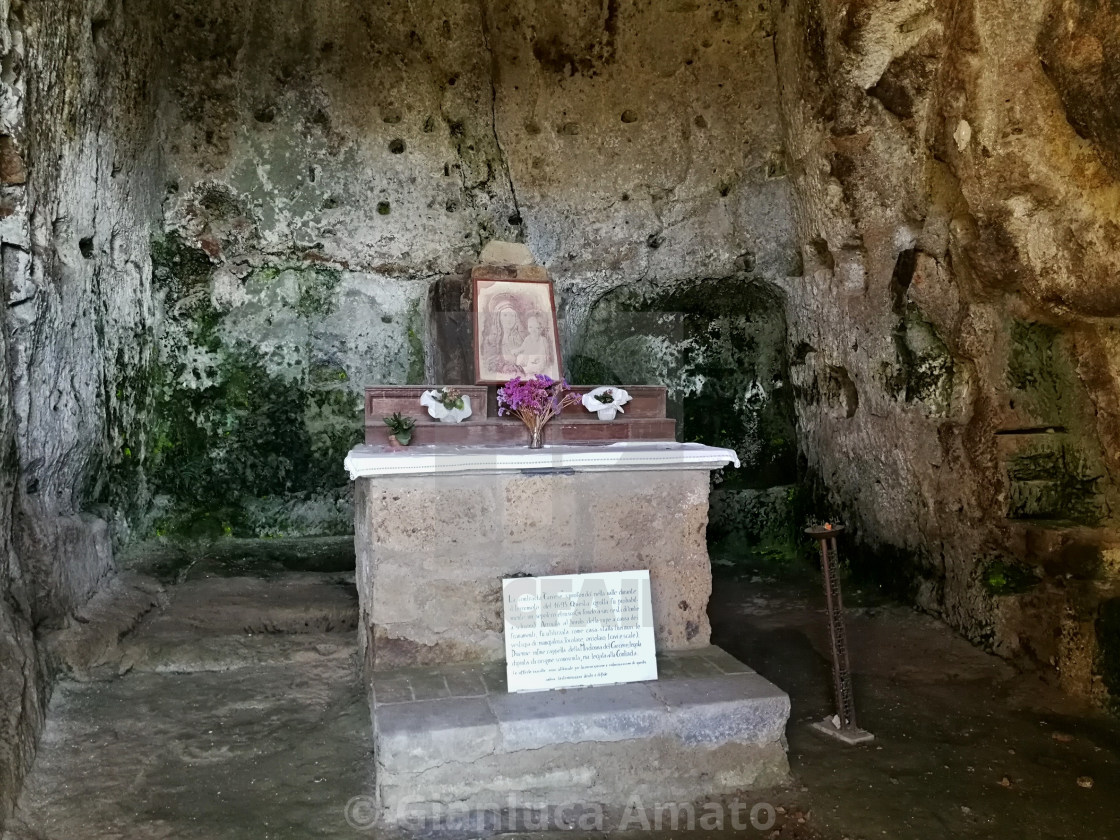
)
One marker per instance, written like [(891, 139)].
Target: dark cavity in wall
[(1108, 647), (901, 278), (718, 345)]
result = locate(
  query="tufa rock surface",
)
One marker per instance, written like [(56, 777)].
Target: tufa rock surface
[(954, 359)]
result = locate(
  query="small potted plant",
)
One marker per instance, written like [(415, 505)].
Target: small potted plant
[(400, 429), (448, 405), (606, 401)]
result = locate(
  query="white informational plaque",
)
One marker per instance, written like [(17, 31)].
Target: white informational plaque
[(564, 631)]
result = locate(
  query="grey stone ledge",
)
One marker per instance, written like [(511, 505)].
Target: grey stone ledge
[(415, 735)]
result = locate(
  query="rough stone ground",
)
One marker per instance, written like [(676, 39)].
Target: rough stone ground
[(242, 716), (952, 723)]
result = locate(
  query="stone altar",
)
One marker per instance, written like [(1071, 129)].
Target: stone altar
[(441, 526), (438, 527)]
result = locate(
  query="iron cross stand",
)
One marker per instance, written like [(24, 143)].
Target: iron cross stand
[(842, 725)]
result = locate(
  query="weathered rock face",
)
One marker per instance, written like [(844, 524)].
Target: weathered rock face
[(77, 191), (328, 164), (21, 678), (220, 220), (957, 371)]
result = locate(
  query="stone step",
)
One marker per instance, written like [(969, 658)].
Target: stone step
[(220, 624), (451, 737), (213, 624), (304, 602), (175, 561), (187, 653)]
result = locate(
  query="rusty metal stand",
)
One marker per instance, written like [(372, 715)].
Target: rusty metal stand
[(842, 725)]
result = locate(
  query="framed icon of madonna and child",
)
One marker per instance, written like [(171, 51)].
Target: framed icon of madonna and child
[(515, 332)]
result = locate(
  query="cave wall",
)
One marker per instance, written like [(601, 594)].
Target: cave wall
[(20, 694), (78, 192), (219, 221), (328, 163), (954, 329)]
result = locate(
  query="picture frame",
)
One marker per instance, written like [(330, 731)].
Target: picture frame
[(515, 330)]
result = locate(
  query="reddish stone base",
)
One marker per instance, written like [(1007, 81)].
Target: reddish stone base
[(644, 418)]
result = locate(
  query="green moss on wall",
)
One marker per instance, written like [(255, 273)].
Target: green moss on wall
[(241, 435), (234, 445), (221, 451), (760, 531), (924, 370), (318, 288), (1057, 475), (585, 370), (718, 345), (179, 268), (1039, 372), (1055, 481), (1000, 576)]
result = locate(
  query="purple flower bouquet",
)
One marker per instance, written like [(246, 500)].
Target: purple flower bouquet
[(536, 400)]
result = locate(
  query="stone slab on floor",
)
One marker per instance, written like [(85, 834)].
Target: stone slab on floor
[(452, 737)]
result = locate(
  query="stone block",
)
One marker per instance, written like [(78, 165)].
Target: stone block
[(676, 739), (430, 686), (411, 737), (496, 252), (611, 713), (744, 708), (432, 551), (431, 515), (465, 681), (723, 660), (541, 504), (387, 688), (400, 646)]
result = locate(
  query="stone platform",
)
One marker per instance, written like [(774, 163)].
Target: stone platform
[(450, 739), (438, 528)]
